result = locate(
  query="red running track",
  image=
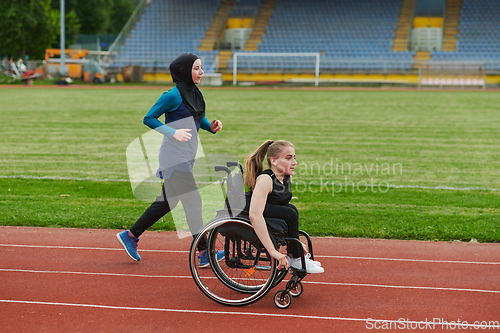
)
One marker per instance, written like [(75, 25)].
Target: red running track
[(77, 280)]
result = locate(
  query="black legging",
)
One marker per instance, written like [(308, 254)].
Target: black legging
[(290, 214), (181, 186)]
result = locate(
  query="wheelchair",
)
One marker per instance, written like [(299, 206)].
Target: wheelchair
[(247, 272)]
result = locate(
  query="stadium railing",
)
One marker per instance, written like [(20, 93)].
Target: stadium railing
[(120, 39), (268, 62), (452, 74)]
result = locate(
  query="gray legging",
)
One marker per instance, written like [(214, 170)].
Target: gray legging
[(181, 186)]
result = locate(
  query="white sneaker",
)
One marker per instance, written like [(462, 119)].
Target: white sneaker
[(317, 263), (310, 267)]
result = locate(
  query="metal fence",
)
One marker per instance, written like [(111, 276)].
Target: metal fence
[(158, 65), (120, 39)]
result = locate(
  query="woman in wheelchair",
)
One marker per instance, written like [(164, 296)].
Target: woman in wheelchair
[(270, 192), (251, 234)]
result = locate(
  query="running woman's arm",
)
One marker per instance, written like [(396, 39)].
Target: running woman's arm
[(166, 103), (213, 127)]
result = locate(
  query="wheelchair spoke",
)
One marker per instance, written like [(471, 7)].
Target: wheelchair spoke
[(243, 274)]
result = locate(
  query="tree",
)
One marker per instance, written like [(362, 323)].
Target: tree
[(120, 13), (94, 15), (71, 28), (100, 16), (26, 28)]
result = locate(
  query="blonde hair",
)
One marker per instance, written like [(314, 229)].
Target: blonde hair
[(254, 162)]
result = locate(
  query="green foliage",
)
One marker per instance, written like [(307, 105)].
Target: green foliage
[(26, 28), (99, 16), (120, 13), (71, 28), (9, 79), (29, 27), (94, 15)]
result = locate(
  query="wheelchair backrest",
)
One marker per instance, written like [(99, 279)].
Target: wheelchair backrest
[(235, 200), (236, 193)]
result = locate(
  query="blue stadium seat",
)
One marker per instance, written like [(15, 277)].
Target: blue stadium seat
[(165, 30), (356, 29), (478, 38), (341, 30)]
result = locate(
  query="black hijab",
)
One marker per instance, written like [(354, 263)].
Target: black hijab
[(181, 69)]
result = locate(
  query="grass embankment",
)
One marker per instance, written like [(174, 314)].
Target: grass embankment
[(421, 141), (377, 213)]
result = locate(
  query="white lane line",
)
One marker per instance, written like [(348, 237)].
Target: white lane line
[(305, 282), (368, 321), (95, 273), (87, 248), (179, 310), (402, 287), (316, 256), (414, 260)]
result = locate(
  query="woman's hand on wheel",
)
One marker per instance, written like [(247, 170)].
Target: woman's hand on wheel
[(182, 135), (282, 261)]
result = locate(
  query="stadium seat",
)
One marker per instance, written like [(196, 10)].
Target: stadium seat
[(165, 30), (478, 37), (359, 32), (340, 30)]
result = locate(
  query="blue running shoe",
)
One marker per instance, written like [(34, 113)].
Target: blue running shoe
[(129, 244), (203, 259)]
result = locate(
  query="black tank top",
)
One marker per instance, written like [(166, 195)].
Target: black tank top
[(282, 192)]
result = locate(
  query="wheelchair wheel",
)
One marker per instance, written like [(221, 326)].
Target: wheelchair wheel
[(298, 290), (305, 238), (244, 275), (282, 299), (244, 259), (280, 276)]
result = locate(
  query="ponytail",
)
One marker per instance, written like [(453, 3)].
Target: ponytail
[(254, 162)]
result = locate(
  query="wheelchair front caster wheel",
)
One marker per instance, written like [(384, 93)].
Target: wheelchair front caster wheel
[(282, 299), (298, 290)]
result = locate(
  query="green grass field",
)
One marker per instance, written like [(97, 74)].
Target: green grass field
[(382, 164)]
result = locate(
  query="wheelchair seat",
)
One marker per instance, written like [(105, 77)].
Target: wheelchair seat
[(277, 227)]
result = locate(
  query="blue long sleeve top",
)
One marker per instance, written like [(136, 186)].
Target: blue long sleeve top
[(175, 155), (168, 103)]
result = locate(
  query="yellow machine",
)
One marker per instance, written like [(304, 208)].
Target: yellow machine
[(79, 67)]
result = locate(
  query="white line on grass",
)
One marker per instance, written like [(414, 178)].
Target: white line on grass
[(318, 256), (255, 314), (321, 184), (306, 282), (63, 178)]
